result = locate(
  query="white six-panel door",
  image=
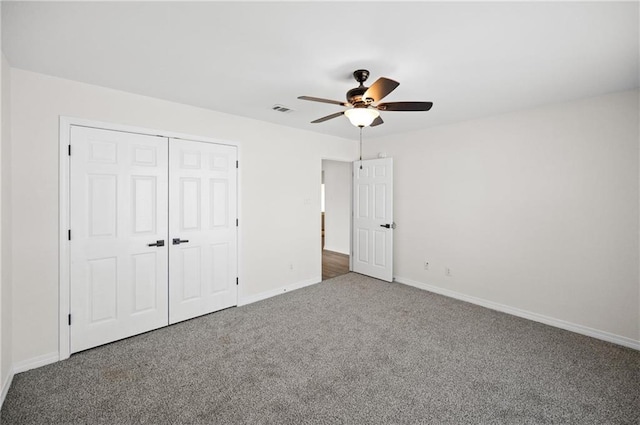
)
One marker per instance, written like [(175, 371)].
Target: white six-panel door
[(373, 218), (202, 207), (118, 198)]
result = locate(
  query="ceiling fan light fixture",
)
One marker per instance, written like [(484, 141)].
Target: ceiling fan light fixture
[(361, 100), (361, 117)]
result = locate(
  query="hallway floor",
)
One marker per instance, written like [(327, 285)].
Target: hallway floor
[(334, 264)]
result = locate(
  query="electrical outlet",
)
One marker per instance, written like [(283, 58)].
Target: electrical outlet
[(447, 271), (426, 265)]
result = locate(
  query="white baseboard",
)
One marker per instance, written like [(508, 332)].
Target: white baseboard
[(5, 387), (562, 324), (278, 291), (35, 362), (339, 251)]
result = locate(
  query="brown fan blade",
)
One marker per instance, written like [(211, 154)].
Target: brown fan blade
[(377, 121), (319, 99), (328, 117), (405, 106), (379, 89)]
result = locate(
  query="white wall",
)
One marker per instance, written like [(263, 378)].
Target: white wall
[(337, 217), (6, 346), (280, 171), (5, 223), (5, 264), (535, 210)]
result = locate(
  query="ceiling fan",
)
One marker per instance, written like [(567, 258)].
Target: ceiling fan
[(363, 102)]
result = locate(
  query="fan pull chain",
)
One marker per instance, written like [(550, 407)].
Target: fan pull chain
[(361, 147)]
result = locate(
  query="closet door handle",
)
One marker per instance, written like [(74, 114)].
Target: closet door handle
[(158, 243), (178, 241)]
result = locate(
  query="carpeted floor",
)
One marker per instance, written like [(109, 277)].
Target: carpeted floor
[(351, 350)]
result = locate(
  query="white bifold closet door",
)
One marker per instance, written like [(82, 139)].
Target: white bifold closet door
[(153, 236), (202, 207), (118, 207)]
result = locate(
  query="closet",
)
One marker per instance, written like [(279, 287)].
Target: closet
[(153, 236)]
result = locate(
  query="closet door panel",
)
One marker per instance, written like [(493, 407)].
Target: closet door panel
[(118, 206), (202, 228)]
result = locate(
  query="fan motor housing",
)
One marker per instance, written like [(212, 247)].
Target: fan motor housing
[(354, 96)]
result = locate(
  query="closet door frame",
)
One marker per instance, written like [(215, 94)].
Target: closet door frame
[(65, 124)]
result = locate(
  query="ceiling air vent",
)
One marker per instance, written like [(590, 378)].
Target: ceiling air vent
[(281, 108)]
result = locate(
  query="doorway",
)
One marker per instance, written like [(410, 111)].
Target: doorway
[(335, 217)]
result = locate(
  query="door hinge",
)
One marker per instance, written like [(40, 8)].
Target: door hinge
[(69, 234), (69, 150), (237, 280), (69, 320), (236, 164), (237, 222)]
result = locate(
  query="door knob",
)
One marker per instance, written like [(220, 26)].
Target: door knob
[(389, 226), (178, 241), (158, 243)]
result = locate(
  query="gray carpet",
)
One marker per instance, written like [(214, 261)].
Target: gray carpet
[(351, 350)]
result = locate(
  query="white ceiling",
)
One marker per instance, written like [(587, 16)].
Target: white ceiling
[(471, 59)]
